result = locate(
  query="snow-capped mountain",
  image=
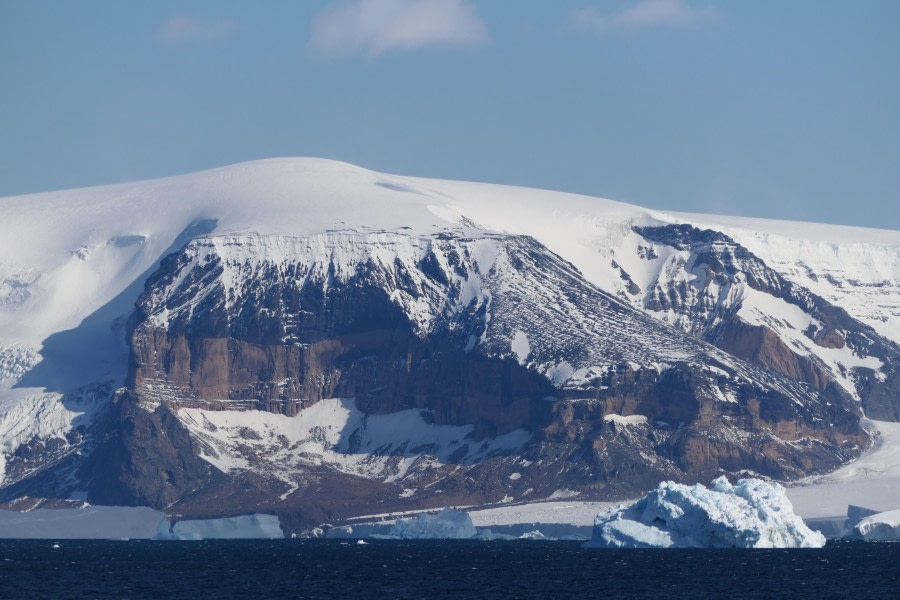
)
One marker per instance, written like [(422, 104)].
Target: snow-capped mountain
[(314, 338)]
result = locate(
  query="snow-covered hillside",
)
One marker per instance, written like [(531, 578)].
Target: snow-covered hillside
[(74, 263), (66, 254), (855, 268)]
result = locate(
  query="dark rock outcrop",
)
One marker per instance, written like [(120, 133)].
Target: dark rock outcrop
[(144, 458), (709, 307)]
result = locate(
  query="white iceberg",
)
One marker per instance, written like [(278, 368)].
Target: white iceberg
[(91, 522), (254, 526), (449, 524), (880, 527), (750, 514)]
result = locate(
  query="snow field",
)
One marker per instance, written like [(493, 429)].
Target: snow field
[(335, 433), (871, 481)]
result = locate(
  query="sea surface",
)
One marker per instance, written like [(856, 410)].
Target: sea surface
[(436, 569)]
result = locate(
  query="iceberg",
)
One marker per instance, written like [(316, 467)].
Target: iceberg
[(750, 514), (254, 526), (87, 523), (124, 522), (449, 524), (533, 535), (880, 527)]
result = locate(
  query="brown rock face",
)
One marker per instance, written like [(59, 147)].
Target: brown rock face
[(708, 308), (763, 346), (145, 459), (759, 431), (881, 397), (282, 341), (384, 370)]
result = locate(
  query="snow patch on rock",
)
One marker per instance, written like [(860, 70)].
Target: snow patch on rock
[(520, 346), (855, 268), (790, 322), (335, 433), (623, 420), (560, 373)]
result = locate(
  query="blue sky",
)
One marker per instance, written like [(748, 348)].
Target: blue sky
[(783, 109)]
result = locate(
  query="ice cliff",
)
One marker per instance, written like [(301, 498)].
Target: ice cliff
[(750, 514), (449, 524), (881, 527), (255, 526)]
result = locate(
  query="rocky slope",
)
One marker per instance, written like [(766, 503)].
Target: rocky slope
[(712, 287), (476, 362), (316, 340)]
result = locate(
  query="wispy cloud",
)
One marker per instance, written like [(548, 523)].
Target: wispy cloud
[(373, 27), (646, 14), (181, 30)]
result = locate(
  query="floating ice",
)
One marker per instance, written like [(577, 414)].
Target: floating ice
[(750, 514), (242, 527), (448, 524), (881, 527), (92, 522), (533, 535)]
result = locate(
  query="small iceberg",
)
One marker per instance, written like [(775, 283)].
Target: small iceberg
[(750, 514), (449, 524), (533, 535)]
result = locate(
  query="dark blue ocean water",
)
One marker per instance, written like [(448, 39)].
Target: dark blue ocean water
[(437, 569)]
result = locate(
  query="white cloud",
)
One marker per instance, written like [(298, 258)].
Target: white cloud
[(373, 27), (179, 30), (646, 14)]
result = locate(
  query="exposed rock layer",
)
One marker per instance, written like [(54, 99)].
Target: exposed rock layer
[(287, 339), (710, 301)]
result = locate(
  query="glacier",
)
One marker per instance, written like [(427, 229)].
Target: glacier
[(872, 481), (749, 514)]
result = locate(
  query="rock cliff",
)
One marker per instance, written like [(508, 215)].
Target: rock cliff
[(474, 367)]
